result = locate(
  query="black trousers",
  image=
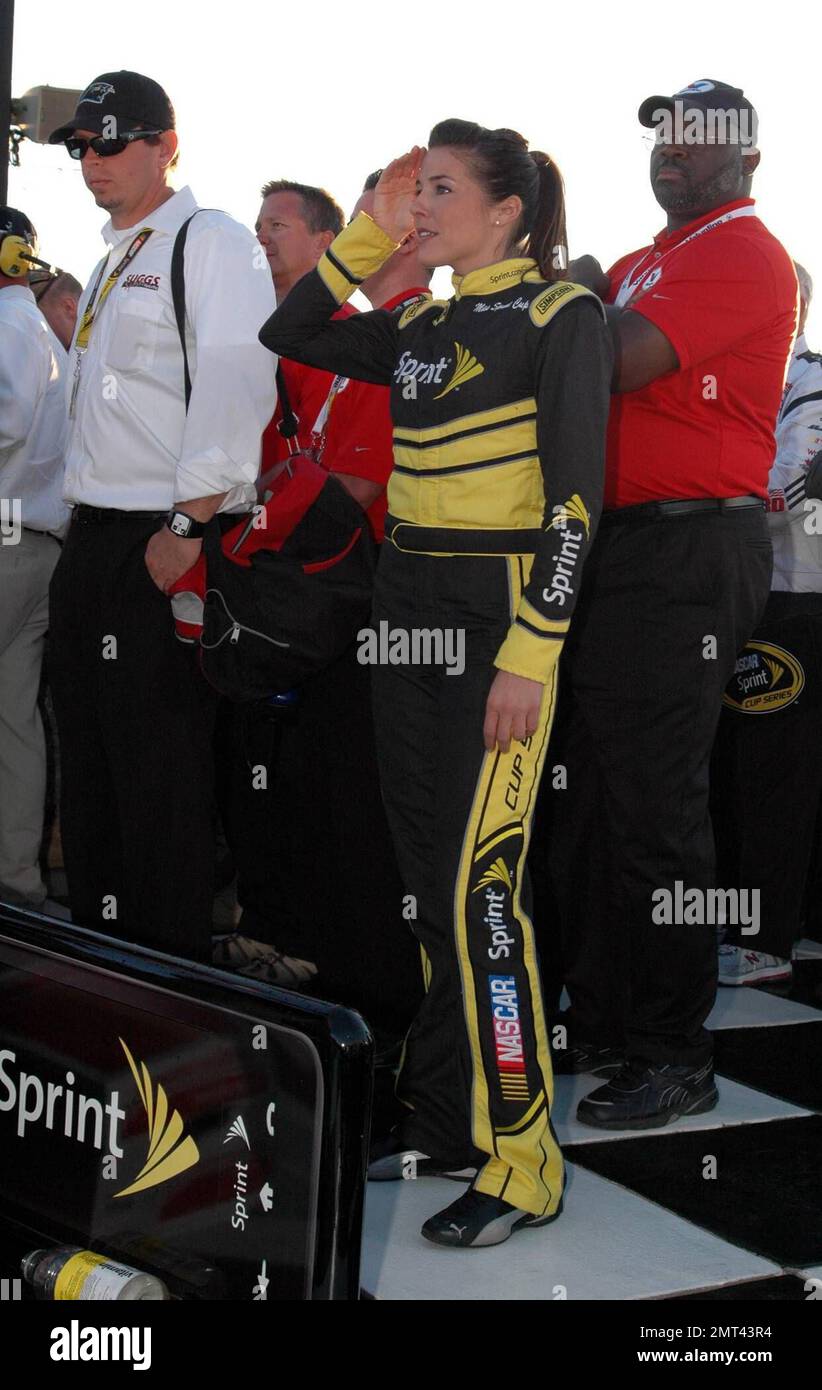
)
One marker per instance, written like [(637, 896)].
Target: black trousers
[(767, 770), (135, 719), (476, 1075), (664, 608), (317, 876)]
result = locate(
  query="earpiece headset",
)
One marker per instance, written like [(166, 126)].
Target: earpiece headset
[(17, 257)]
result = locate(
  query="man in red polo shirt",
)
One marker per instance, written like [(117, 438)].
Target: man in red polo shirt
[(345, 424), (318, 886), (703, 320), (356, 442), (342, 895), (295, 225)]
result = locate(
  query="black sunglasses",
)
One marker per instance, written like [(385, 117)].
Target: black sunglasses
[(78, 145), (40, 283)]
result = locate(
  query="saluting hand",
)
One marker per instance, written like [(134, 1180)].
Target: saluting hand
[(395, 192)]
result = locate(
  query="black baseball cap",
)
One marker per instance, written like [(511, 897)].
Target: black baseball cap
[(133, 100), (13, 222), (707, 94)]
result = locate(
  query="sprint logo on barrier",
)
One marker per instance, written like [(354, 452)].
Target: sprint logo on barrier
[(170, 1151), (508, 1037), (85, 1119)]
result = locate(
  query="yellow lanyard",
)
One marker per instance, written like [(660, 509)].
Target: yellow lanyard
[(95, 304), (96, 301)]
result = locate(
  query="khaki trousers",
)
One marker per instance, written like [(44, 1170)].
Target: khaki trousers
[(25, 570)]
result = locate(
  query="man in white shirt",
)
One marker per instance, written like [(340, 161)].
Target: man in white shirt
[(32, 516), (58, 295), (145, 474), (767, 769)]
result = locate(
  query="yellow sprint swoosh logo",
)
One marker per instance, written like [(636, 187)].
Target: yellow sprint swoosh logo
[(572, 510), (169, 1153), (465, 369), (498, 873)]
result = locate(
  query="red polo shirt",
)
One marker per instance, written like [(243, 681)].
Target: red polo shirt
[(359, 436), (307, 388), (726, 301)]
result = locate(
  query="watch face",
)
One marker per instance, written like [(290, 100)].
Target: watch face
[(179, 524)]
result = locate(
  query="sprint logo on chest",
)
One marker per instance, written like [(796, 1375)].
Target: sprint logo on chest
[(425, 373), (410, 373)]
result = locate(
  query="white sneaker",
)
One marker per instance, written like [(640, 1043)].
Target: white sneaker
[(739, 966)]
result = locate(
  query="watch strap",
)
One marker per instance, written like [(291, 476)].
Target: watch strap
[(193, 531)]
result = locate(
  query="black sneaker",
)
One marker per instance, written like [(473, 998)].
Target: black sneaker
[(642, 1096), (476, 1219), (390, 1161), (582, 1056)]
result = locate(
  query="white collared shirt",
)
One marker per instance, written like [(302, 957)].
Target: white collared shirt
[(797, 546), (33, 420), (132, 446)]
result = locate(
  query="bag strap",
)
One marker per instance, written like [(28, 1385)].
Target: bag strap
[(289, 424), (178, 296), (178, 293)]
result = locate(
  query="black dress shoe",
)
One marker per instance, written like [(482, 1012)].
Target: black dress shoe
[(475, 1219), (643, 1096)]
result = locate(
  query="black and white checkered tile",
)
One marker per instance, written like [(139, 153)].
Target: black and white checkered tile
[(726, 1205)]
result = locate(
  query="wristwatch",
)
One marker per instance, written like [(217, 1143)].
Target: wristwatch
[(184, 525)]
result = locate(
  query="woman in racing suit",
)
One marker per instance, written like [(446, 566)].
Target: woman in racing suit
[(499, 400)]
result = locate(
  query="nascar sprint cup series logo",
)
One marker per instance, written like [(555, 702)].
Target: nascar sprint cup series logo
[(36, 1105), (496, 890), (766, 678)]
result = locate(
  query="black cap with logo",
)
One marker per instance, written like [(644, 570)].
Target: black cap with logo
[(13, 222), (133, 100), (705, 95)]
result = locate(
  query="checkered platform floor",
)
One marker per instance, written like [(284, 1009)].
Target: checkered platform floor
[(722, 1206)]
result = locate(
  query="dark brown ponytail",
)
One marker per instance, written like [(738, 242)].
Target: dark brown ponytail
[(502, 163), (547, 236)]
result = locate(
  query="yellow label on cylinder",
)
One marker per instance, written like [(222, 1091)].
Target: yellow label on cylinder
[(73, 1275)]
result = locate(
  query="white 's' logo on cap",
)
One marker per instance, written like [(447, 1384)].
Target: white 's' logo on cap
[(98, 91), (702, 86)]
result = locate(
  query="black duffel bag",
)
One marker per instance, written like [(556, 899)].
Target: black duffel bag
[(288, 590), (282, 594)]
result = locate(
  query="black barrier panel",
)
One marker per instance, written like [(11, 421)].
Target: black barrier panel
[(205, 1128)]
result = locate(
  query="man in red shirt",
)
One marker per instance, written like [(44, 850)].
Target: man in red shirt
[(295, 225), (354, 435), (702, 320), (345, 424), (316, 868), (340, 861)]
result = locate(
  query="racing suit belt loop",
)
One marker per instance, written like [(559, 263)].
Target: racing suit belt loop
[(448, 540)]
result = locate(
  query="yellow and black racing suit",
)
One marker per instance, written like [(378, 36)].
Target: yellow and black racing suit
[(499, 399)]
